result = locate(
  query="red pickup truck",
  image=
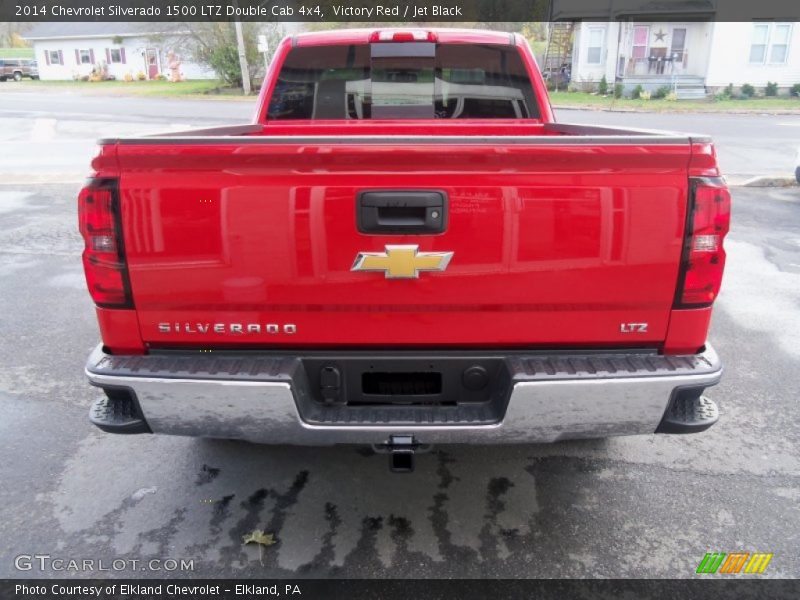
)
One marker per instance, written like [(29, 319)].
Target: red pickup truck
[(404, 248)]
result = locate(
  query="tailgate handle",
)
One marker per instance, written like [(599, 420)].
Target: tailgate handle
[(401, 212)]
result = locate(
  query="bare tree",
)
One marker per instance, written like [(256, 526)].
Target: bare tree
[(214, 44), (11, 34)]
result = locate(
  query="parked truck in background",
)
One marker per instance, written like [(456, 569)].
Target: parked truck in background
[(404, 248), (17, 68)]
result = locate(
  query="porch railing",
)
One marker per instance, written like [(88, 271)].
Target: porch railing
[(656, 65)]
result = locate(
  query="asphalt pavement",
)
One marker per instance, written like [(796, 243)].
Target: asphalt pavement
[(645, 506), (51, 136), (748, 145)]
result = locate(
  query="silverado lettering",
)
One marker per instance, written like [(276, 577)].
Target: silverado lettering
[(404, 248), (271, 328)]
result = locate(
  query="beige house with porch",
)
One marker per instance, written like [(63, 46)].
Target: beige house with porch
[(692, 58)]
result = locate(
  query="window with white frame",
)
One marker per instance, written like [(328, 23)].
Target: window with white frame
[(595, 46), (115, 54), (770, 43), (85, 57), (55, 57), (779, 43)]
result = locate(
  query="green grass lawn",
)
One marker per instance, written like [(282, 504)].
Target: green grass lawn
[(197, 87), (16, 52), (211, 88), (584, 99)]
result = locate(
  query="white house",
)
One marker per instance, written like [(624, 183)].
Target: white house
[(693, 58), (71, 50)]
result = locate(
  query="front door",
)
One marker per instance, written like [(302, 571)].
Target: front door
[(677, 49), (639, 57), (151, 58)]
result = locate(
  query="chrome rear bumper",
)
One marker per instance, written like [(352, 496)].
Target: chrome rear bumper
[(265, 399)]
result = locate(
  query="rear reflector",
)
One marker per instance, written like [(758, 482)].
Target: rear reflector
[(705, 243), (103, 255), (703, 256)]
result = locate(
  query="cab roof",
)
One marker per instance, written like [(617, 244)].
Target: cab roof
[(443, 35)]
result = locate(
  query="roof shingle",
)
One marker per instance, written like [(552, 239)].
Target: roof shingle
[(50, 31)]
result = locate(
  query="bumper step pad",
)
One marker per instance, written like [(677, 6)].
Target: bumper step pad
[(118, 414), (688, 413)]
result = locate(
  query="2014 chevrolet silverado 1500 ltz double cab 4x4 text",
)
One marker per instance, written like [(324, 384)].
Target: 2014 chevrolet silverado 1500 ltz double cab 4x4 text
[(404, 248)]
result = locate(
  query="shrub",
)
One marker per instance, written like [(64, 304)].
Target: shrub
[(725, 94), (225, 61), (660, 93), (637, 92), (128, 76), (141, 76), (748, 91), (671, 97), (618, 89), (771, 88), (645, 95), (161, 77), (602, 87), (795, 90)]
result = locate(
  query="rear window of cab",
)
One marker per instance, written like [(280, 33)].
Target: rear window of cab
[(416, 80)]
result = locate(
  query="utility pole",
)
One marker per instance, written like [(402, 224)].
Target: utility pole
[(263, 47), (242, 57)]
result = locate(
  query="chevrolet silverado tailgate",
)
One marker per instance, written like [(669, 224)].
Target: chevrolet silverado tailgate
[(252, 241)]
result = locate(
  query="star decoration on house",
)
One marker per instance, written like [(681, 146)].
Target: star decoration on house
[(660, 35)]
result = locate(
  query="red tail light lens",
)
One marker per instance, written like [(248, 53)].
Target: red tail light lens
[(103, 255), (703, 254)]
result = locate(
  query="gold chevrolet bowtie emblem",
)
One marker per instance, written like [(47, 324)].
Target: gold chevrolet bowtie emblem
[(402, 262)]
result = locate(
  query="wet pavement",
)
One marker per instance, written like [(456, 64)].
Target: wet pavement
[(647, 506)]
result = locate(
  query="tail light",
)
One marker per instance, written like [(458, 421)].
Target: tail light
[(703, 255), (104, 254)]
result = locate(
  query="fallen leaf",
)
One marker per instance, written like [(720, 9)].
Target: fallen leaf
[(262, 539), (259, 537)]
